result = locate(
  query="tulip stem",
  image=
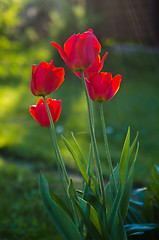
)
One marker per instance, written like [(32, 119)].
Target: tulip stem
[(106, 145), (60, 161), (55, 144), (94, 144), (58, 164)]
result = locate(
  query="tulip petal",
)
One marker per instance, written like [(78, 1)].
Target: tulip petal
[(39, 111), (87, 49), (113, 87), (69, 45), (54, 79), (39, 78), (101, 87), (32, 78), (94, 86), (62, 52), (90, 30), (95, 68), (40, 101), (55, 108), (51, 65), (102, 62), (116, 83)]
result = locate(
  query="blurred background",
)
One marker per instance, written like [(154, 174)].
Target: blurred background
[(129, 31)]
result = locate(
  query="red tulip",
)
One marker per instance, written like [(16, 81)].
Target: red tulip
[(102, 87), (46, 78), (95, 68), (80, 50), (39, 111)]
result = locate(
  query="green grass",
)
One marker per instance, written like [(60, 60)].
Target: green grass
[(21, 210)]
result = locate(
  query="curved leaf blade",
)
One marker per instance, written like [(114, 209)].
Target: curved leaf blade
[(128, 188), (124, 160), (84, 161), (82, 171), (133, 144), (132, 229), (62, 221), (88, 213)]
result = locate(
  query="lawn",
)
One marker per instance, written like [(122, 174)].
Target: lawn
[(25, 148)]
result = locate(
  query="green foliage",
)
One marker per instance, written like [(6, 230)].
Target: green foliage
[(59, 217), (9, 12), (143, 212), (85, 176), (154, 186), (91, 206)]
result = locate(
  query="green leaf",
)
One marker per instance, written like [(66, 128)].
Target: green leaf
[(155, 173), (118, 230), (124, 160), (114, 211), (109, 199), (140, 228), (114, 216), (62, 221), (136, 215), (61, 203), (116, 176), (133, 144), (82, 171), (86, 188), (88, 213), (85, 162), (155, 191), (136, 204), (128, 188)]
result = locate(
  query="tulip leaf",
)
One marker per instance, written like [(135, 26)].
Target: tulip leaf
[(118, 230), (136, 204), (115, 223), (155, 171), (109, 197), (123, 171), (60, 218), (139, 229), (61, 203), (85, 162), (128, 188), (115, 208), (86, 187), (136, 215), (82, 171), (93, 223), (124, 161), (133, 144)]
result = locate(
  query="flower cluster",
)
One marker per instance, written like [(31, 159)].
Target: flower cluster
[(97, 211), (81, 54)]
